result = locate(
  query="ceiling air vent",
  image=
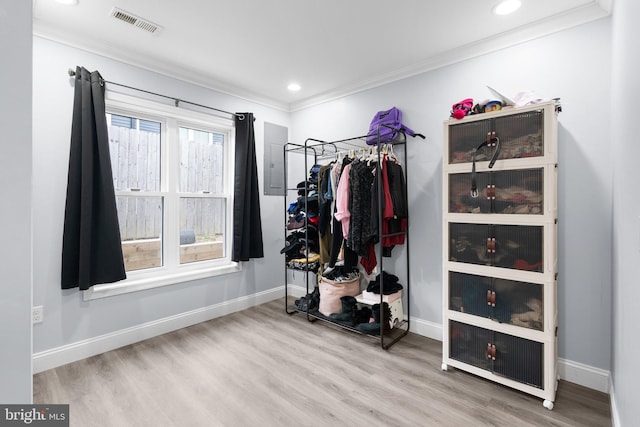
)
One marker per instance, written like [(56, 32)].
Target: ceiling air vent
[(134, 20)]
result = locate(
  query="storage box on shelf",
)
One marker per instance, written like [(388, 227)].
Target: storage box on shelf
[(500, 247), (396, 314)]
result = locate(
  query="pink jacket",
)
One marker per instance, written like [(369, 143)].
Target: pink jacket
[(342, 201)]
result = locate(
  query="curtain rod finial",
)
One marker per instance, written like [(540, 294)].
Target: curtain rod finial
[(71, 72)]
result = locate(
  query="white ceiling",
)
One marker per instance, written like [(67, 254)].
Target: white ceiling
[(255, 48)]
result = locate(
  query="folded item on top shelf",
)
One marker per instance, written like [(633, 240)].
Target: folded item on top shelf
[(339, 274), (291, 244), (306, 264), (313, 257), (370, 297), (309, 185), (390, 284), (294, 223)]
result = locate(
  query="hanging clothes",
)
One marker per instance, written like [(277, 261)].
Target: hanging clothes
[(341, 199), (395, 210), (324, 212), (360, 233), (342, 213)]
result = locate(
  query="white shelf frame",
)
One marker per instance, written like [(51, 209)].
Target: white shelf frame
[(548, 278)]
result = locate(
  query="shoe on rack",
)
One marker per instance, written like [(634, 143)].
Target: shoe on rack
[(327, 270), (302, 303), (335, 273), (314, 298), (348, 310), (379, 315), (362, 315), (348, 277), (309, 302)]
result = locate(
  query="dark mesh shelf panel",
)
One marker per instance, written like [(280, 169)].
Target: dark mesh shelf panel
[(519, 192), (512, 302), (468, 293), (468, 243), (519, 247), (460, 200), (521, 135), (519, 303), (516, 358), (464, 138), (512, 192), (519, 359), (468, 344), (516, 246)]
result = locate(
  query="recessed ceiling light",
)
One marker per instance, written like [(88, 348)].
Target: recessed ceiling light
[(68, 2), (507, 6), (294, 87)]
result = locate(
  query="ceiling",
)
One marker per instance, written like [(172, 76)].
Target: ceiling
[(255, 48)]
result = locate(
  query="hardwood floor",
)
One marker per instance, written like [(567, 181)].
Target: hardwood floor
[(262, 367)]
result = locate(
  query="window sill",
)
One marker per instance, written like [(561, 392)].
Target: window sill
[(139, 281)]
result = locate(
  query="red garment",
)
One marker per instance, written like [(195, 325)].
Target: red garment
[(370, 261), (388, 213)]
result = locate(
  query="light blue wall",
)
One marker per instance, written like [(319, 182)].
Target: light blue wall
[(626, 218), (15, 193), (574, 65), (67, 318)]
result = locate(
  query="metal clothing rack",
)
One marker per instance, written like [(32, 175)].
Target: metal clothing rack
[(319, 149)]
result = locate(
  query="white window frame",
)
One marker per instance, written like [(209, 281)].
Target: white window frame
[(172, 272)]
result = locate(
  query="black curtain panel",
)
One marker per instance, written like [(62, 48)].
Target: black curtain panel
[(247, 226), (91, 247)]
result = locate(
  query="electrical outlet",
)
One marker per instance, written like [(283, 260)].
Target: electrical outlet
[(37, 314)]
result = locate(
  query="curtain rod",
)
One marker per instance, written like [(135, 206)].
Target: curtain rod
[(177, 101)]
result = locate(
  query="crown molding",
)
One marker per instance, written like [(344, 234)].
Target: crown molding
[(569, 19), (592, 11), (100, 47), (606, 5)]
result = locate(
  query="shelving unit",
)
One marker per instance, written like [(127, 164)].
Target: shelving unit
[(500, 248), (324, 151)]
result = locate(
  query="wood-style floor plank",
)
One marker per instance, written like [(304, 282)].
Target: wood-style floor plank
[(262, 367)]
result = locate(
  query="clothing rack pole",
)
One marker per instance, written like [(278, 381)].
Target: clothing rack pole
[(177, 101)]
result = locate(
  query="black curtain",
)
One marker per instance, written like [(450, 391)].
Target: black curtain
[(91, 247), (247, 226)]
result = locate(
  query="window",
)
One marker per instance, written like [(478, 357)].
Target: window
[(172, 177)]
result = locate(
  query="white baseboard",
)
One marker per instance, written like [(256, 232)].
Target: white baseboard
[(79, 350), (575, 372), (296, 291), (615, 417), (426, 328), (578, 373), (584, 375)]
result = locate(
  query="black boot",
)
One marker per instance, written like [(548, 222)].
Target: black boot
[(309, 302), (348, 310), (315, 299), (379, 316), (362, 316)]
